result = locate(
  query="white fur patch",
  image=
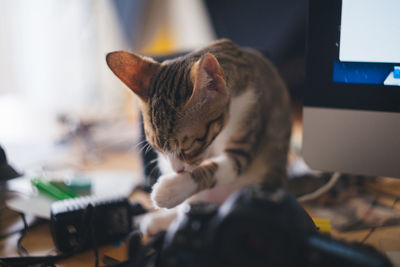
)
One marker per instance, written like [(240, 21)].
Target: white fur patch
[(170, 163), (154, 222), (172, 189), (238, 109), (164, 164)]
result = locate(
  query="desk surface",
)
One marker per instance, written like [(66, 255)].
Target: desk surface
[(38, 239)]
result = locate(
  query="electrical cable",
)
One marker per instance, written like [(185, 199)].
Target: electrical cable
[(46, 260), (35, 260), (10, 233), (34, 223), (107, 260), (6, 235), (322, 190), (32, 260), (21, 248), (372, 229), (135, 209)]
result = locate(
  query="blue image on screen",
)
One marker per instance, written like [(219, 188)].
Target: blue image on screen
[(365, 73)]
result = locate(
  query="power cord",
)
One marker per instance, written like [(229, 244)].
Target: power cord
[(21, 248), (26, 226), (322, 190), (28, 260), (89, 234), (372, 229)]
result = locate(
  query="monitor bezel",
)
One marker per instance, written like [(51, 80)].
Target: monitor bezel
[(322, 50)]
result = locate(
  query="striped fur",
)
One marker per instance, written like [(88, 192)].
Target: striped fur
[(220, 113)]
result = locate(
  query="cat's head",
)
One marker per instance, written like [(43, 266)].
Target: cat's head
[(184, 102)]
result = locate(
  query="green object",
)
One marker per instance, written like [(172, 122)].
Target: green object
[(61, 186), (51, 190), (79, 184)]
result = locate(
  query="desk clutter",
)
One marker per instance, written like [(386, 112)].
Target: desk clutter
[(36, 193), (357, 203), (88, 209), (256, 226)]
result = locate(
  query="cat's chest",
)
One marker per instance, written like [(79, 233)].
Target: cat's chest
[(218, 146), (238, 109)]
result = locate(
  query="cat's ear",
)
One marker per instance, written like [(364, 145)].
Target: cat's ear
[(134, 70), (207, 74)]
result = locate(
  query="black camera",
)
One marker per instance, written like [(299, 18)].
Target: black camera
[(257, 226)]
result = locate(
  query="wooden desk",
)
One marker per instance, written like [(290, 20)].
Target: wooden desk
[(38, 239)]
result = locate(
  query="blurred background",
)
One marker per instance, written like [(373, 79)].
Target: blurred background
[(56, 89)]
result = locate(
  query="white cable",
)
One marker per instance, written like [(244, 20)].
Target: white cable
[(323, 189)]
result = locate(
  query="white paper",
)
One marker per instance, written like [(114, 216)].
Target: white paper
[(104, 184)]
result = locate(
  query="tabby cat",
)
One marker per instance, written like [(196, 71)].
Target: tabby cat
[(219, 118)]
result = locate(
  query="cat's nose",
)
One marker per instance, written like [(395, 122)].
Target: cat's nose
[(177, 165), (180, 170)]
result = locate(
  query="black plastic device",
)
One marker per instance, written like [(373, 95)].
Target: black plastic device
[(257, 226), (84, 222), (6, 171)]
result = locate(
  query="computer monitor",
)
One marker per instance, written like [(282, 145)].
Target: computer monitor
[(351, 115)]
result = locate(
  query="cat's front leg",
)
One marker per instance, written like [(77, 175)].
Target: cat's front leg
[(172, 189), (157, 221)]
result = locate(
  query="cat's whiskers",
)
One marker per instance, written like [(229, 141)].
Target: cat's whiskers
[(140, 143), (150, 162), (155, 168), (141, 149), (153, 161), (145, 147), (148, 147)]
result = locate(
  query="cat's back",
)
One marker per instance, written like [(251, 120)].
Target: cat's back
[(243, 66), (229, 53)]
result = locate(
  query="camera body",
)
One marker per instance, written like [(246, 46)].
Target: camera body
[(187, 242), (257, 226)]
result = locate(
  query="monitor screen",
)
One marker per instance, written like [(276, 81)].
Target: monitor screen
[(351, 115), (369, 43), (353, 55)]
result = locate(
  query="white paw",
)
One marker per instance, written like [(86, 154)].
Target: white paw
[(172, 189), (155, 222)]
